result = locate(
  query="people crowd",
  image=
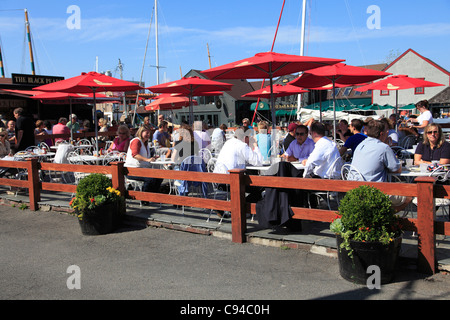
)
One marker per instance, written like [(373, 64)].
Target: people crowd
[(367, 144)]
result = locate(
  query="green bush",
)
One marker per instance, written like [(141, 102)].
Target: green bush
[(93, 185), (366, 214), (93, 191)]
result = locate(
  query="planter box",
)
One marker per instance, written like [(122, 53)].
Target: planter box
[(365, 254), (102, 220)]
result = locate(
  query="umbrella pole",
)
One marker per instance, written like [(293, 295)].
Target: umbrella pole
[(191, 110), (95, 122), (71, 125), (396, 110), (334, 111)]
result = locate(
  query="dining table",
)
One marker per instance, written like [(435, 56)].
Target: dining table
[(268, 168)]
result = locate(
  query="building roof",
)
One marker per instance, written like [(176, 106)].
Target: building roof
[(442, 97), (420, 56)]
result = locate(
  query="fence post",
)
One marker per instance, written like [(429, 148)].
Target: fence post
[(118, 180), (426, 213), (34, 188), (237, 196)]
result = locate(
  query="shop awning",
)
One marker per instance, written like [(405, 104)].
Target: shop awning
[(261, 107)]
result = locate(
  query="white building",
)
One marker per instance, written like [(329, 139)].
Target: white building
[(414, 65)]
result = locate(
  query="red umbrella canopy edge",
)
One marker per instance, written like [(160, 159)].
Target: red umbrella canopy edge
[(398, 82), (194, 86), (89, 82), (266, 65), (340, 73), (278, 91)]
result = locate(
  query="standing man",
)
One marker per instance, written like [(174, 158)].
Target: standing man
[(73, 124), (301, 147), (24, 130), (320, 162)]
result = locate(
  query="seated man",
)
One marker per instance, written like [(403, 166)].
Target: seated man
[(321, 160), (161, 140), (374, 159), (353, 141), (301, 147), (236, 153)]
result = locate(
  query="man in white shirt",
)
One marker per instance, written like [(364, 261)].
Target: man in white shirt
[(200, 135), (323, 157), (236, 153)]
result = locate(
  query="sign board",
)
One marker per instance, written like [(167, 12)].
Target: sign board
[(36, 80)]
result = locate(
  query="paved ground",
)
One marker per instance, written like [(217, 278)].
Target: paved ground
[(137, 262)]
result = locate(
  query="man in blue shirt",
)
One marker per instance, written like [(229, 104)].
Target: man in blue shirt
[(373, 158), (353, 141)]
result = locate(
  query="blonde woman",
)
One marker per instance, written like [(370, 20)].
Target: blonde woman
[(103, 124), (122, 141), (5, 148), (433, 147), (140, 155)]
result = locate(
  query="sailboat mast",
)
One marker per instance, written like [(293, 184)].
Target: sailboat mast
[(209, 56), (302, 48), (2, 70), (27, 24), (157, 47)]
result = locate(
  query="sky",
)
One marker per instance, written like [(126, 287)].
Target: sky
[(70, 35)]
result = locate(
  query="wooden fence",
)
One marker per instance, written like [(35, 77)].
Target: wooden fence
[(424, 189)]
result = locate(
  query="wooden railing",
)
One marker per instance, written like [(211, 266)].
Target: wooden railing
[(424, 189)]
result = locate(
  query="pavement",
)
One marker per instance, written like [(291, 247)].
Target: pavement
[(45, 257)]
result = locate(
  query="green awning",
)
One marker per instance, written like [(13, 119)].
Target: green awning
[(411, 106), (375, 107), (286, 112), (261, 107), (341, 104)]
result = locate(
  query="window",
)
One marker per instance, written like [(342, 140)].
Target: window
[(347, 91), (384, 92), (420, 90), (336, 91)]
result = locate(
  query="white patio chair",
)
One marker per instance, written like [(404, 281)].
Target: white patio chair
[(334, 172), (351, 173), (218, 191)]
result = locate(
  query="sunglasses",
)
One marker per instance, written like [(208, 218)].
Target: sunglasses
[(432, 132), (301, 134)]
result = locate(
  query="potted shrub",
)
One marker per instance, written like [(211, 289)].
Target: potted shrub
[(368, 233), (98, 206)]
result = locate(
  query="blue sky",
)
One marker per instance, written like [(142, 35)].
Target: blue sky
[(233, 29)]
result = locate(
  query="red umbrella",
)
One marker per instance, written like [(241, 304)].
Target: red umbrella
[(398, 82), (169, 102), (90, 82), (338, 73), (191, 87), (267, 65), (278, 91)]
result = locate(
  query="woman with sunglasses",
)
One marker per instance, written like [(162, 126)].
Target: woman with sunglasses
[(433, 147), (122, 141)]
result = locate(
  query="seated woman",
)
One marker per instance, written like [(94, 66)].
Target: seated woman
[(186, 146), (122, 141), (263, 139), (139, 155), (433, 147)]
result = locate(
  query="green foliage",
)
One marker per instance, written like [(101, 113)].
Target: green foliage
[(366, 214), (93, 185), (94, 191)]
